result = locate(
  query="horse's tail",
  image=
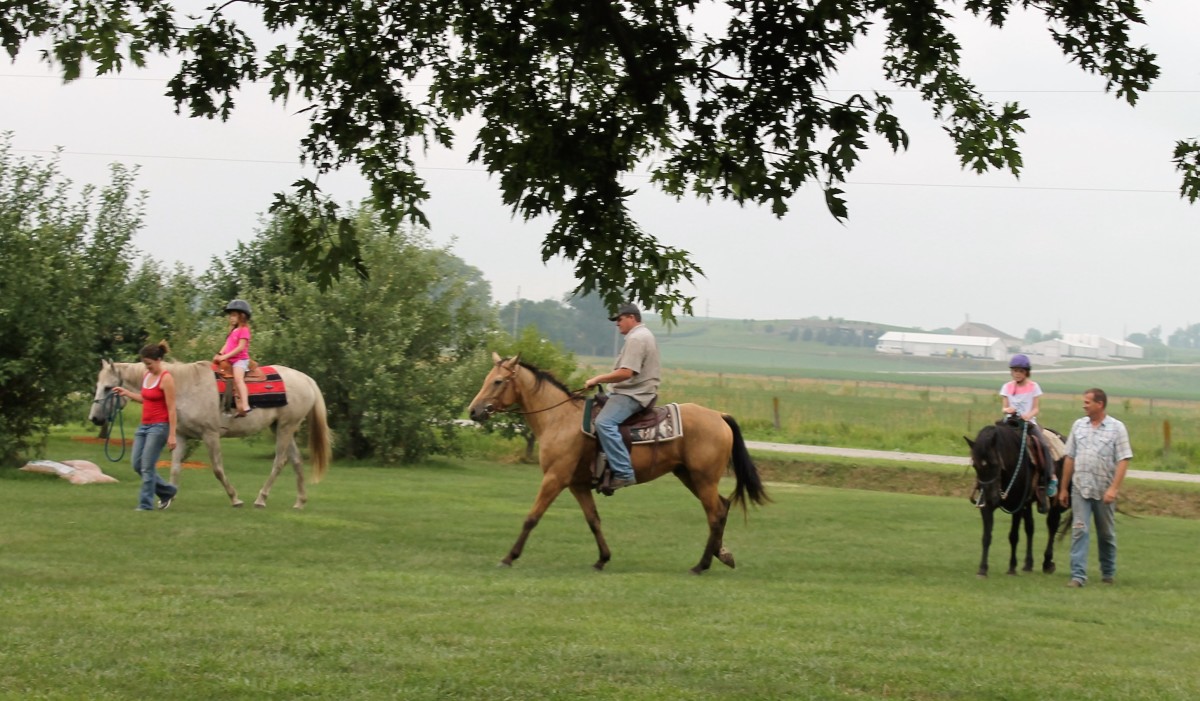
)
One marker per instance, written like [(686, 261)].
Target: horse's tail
[(320, 438), (749, 484)]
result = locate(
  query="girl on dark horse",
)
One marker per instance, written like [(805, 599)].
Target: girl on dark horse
[(1003, 460), (1021, 400)]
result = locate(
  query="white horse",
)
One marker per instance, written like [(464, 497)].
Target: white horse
[(199, 415)]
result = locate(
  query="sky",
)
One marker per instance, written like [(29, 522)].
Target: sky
[(1093, 236)]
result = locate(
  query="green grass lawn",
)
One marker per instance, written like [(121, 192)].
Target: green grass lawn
[(386, 588)]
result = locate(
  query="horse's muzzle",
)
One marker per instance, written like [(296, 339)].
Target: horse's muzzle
[(481, 413)]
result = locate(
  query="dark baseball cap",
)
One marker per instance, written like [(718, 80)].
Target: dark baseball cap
[(626, 308)]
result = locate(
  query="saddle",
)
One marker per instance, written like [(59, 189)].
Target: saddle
[(224, 371), (264, 386), (653, 424)]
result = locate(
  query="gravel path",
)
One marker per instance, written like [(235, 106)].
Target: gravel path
[(938, 459)]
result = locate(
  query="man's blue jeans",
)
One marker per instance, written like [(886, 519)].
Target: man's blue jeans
[(618, 408), (148, 443), (1083, 511)]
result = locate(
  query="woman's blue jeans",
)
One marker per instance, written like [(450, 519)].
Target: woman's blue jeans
[(1082, 512), (148, 443)]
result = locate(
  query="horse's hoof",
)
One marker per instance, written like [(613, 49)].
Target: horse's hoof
[(238, 504), (726, 558), (1049, 569), (259, 505), (981, 574), (1027, 568), (599, 566), (504, 564)]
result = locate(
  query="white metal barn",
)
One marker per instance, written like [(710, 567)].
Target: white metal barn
[(936, 344)]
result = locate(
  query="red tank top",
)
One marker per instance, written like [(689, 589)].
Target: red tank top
[(154, 401)]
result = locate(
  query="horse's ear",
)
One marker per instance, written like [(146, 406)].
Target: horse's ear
[(496, 358), (516, 359), (969, 442)]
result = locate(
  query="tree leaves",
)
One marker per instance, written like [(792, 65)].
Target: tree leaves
[(575, 96)]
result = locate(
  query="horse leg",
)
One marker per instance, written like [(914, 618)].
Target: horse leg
[(587, 502), (1053, 520), (177, 460), (717, 548), (284, 444), (212, 440), (1028, 517), (989, 521), (551, 487), (1014, 537), (298, 465)]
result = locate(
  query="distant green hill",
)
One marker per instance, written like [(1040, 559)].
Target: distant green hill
[(843, 349)]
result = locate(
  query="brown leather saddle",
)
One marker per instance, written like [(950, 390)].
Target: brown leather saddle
[(224, 371), (646, 420)]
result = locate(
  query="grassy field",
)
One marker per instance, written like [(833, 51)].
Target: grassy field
[(386, 588)]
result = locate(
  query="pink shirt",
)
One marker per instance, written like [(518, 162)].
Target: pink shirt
[(231, 342)]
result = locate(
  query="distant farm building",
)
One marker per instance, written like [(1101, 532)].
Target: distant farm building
[(974, 328), (936, 344), (1084, 345)]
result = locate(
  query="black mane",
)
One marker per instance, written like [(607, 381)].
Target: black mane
[(541, 376)]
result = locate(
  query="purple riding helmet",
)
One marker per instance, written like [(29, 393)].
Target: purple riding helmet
[(1020, 360)]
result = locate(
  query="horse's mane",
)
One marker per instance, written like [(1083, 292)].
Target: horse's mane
[(998, 437), (540, 376)]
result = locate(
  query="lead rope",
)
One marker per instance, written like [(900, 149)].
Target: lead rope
[(1017, 472), (111, 408)]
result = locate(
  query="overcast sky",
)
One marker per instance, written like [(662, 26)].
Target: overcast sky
[(1092, 238)]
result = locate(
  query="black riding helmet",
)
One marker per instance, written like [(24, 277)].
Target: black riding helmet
[(238, 305)]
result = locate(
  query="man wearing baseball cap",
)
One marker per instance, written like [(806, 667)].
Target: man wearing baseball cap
[(633, 384)]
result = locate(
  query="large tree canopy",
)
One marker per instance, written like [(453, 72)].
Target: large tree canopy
[(573, 95)]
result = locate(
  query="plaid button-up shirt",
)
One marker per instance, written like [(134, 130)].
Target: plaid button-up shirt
[(1096, 450)]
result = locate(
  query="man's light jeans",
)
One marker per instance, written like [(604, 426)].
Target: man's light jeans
[(1082, 512), (618, 408)]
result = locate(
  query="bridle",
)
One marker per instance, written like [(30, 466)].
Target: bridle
[(490, 407)]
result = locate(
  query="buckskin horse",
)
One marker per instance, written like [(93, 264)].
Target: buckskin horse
[(199, 415), (711, 441), (1003, 460)]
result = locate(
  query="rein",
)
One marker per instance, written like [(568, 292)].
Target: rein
[(1016, 472), (111, 408), (572, 396)]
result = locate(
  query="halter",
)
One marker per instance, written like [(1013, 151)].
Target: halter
[(111, 408), (1016, 473)]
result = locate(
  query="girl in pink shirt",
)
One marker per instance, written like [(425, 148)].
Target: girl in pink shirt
[(237, 351)]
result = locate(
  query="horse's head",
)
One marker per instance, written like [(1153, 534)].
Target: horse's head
[(498, 390), (995, 455), (985, 458), (108, 378)]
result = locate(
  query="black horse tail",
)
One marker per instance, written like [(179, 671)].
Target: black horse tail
[(749, 484)]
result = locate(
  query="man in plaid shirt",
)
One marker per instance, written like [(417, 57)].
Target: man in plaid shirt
[(1097, 456)]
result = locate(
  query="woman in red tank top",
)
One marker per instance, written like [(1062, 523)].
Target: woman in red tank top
[(157, 397)]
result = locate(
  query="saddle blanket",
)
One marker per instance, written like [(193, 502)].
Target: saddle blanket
[(263, 394), (668, 427)]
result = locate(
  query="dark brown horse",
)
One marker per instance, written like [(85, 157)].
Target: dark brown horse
[(1003, 459), (711, 441)]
